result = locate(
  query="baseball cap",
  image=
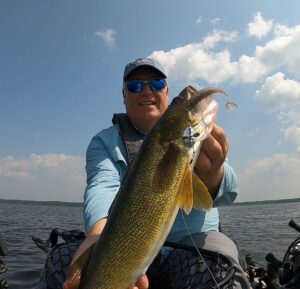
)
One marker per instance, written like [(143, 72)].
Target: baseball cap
[(139, 62)]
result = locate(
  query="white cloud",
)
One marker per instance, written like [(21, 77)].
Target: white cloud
[(108, 36), (196, 61), (42, 177), (282, 96), (283, 50), (255, 132), (278, 93), (215, 21), (191, 62), (217, 36), (274, 177), (199, 20), (250, 69), (282, 30), (259, 27), (292, 135), (208, 61)]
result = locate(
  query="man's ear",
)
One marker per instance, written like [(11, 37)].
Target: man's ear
[(123, 92), (167, 92)]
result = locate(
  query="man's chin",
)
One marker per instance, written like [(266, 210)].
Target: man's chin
[(152, 115)]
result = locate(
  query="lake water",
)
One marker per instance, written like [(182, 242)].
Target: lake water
[(256, 228)]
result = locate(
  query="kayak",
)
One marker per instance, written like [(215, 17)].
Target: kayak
[(174, 262)]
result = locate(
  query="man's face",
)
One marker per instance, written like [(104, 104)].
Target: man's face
[(146, 107)]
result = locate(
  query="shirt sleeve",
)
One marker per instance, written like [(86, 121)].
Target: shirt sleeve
[(103, 182), (228, 188)]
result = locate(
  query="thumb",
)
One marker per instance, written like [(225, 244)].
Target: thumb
[(73, 279), (142, 282)]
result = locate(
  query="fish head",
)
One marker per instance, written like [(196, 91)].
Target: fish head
[(189, 118), (183, 127)]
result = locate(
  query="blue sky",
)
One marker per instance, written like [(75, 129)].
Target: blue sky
[(61, 65)]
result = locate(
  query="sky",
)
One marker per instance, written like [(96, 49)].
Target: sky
[(61, 66)]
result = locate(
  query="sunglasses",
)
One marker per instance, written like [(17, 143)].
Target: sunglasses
[(137, 86)]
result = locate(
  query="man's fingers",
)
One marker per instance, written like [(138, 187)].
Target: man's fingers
[(219, 135), (203, 162), (213, 151)]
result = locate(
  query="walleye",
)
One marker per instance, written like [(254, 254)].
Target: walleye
[(158, 183)]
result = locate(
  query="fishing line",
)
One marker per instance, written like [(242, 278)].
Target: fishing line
[(197, 249)]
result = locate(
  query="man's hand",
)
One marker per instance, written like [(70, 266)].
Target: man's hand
[(74, 275), (209, 166), (73, 279), (142, 283)]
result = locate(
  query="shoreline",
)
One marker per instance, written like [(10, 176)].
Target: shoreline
[(78, 204)]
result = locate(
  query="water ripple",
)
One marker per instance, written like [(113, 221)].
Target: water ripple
[(257, 229)]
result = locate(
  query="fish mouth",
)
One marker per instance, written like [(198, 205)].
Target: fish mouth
[(197, 99), (195, 102), (202, 109)]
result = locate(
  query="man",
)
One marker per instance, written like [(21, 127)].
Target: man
[(145, 95)]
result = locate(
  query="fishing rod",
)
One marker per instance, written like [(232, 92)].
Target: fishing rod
[(279, 274), (3, 267)]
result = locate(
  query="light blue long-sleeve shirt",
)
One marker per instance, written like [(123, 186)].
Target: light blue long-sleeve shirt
[(106, 167)]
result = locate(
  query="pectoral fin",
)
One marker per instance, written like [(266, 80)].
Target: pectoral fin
[(202, 198), (186, 190)]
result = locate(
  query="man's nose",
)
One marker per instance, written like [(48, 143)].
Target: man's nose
[(147, 88)]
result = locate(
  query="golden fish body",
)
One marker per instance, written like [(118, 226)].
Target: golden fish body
[(158, 183)]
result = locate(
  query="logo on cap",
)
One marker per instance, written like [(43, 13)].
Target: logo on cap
[(144, 61)]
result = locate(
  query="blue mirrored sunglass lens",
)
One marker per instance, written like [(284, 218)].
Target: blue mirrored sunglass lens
[(157, 84), (137, 86)]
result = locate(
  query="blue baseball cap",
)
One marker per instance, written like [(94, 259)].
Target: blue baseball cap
[(140, 62)]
